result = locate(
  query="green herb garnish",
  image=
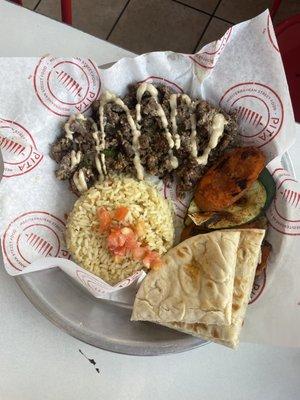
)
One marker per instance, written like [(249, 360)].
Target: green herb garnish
[(112, 152)]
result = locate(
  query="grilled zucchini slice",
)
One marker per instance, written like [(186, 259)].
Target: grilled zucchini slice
[(243, 210), (246, 209)]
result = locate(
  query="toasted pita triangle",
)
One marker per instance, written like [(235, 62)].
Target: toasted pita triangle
[(247, 260), (195, 283)]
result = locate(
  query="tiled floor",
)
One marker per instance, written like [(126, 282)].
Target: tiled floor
[(148, 25)]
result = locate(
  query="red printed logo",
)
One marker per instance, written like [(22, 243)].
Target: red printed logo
[(181, 203), (284, 212), (269, 30), (32, 235), (291, 197), (209, 55), (259, 109), (258, 287), (19, 151), (66, 86), (95, 285), (158, 80), (91, 282), (129, 281)]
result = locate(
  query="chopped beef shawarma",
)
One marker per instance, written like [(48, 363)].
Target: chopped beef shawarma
[(203, 133)]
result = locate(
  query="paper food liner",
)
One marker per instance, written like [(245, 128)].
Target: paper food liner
[(242, 71)]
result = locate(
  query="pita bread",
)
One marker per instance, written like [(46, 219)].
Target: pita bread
[(194, 285), (247, 260)]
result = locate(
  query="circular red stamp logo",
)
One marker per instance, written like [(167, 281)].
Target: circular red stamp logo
[(284, 212), (95, 285), (271, 34), (259, 109), (19, 151), (258, 287), (32, 235), (130, 280), (209, 54), (91, 282), (163, 81), (66, 86)]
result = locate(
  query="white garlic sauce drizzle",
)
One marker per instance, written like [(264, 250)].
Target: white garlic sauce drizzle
[(217, 128), (100, 165), (193, 142), (218, 124), (173, 114), (173, 139), (79, 181), (75, 158), (151, 89), (103, 163), (97, 141), (78, 177), (73, 118), (108, 97)]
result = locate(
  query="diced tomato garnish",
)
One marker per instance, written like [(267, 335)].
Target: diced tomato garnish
[(131, 238), (127, 231), (130, 243), (123, 240), (152, 259), (119, 251), (104, 218), (139, 252), (120, 213), (115, 240)]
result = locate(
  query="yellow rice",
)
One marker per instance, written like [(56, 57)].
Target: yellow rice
[(89, 248)]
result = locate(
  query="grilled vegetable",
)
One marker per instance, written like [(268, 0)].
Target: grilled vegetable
[(227, 181), (242, 211), (192, 230), (200, 218), (197, 217), (267, 180), (260, 223)]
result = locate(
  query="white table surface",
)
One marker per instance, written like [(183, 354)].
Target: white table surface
[(38, 361)]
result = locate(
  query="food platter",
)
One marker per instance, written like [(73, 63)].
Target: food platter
[(123, 223), (165, 180), (102, 323), (120, 225)]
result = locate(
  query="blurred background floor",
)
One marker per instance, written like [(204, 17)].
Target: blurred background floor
[(148, 25)]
